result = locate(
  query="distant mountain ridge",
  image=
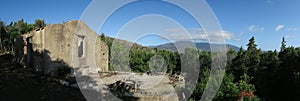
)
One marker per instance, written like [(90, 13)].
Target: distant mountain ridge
[(198, 45)]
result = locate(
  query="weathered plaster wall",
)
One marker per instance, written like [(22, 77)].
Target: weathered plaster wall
[(57, 45)]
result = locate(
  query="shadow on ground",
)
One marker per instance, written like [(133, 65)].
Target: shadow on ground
[(19, 83)]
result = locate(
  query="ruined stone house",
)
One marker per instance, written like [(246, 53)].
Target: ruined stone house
[(71, 44)]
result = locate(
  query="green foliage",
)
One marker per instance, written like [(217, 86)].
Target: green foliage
[(157, 64), (119, 58), (243, 84), (252, 56), (229, 90), (251, 45), (9, 33), (275, 76), (39, 23), (190, 60), (247, 70), (200, 86), (287, 82), (141, 58)]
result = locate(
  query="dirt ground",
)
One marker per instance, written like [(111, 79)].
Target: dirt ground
[(18, 83)]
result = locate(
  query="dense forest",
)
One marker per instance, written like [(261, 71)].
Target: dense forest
[(251, 74)]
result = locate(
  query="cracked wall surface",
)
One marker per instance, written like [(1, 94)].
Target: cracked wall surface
[(56, 45)]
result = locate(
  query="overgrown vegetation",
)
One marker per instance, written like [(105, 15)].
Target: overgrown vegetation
[(251, 74), (140, 56), (13, 30)]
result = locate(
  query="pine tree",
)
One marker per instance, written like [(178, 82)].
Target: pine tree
[(251, 45), (253, 59), (283, 45), (241, 51)]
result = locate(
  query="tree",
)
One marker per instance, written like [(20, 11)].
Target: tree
[(246, 89), (287, 78), (283, 45), (29, 28), (3, 34), (158, 64), (21, 26), (231, 54), (238, 66), (240, 52), (266, 79), (102, 36), (252, 57), (39, 23), (251, 45)]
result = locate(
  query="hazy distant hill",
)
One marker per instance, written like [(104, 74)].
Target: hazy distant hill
[(170, 46), (201, 46)]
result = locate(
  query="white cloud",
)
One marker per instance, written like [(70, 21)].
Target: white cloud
[(253, 28), (289, 36), (279, 28), (238, 39), (292, 29), (197, 34)]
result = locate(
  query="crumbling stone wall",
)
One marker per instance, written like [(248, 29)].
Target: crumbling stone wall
[(46, 49)]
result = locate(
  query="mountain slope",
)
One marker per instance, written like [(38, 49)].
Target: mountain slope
[(202, 46)]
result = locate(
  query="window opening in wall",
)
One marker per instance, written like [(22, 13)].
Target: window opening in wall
[(80, 46)]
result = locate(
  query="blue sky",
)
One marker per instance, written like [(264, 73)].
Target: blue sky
[(267, 20)]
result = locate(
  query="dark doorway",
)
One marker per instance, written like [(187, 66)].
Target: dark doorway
[(29, 52)]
